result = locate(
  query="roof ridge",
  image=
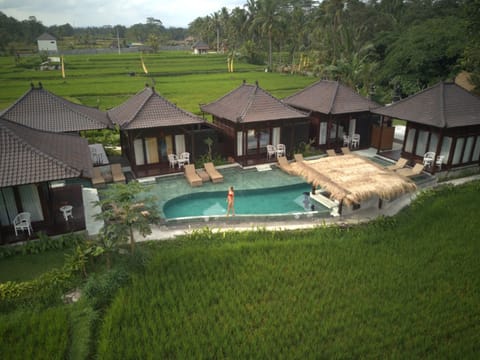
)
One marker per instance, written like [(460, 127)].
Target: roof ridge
[(442, 104), (139, 108), (250, 101), (334, 97)]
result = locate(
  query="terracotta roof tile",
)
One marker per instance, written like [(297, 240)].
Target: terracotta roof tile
[(42, 110), (31, 156), (330, 97), (250, 103), (444, 105), (147, 109)]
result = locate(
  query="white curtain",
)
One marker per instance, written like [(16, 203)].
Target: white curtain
[(445, 151), (275, 136), (421, 143), (432, 146), (180, 143), (139, 155), (410, 138), (31, 201), (352, 127), (239, 143), (322, 136), (151, 144)]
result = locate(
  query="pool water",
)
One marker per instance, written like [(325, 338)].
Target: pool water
[(275, 200)]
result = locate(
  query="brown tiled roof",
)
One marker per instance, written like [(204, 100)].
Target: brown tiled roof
[(444, 105), (147, 109), (46, 36), (30, 156), (42, 110), (250, 103), (330, 97)]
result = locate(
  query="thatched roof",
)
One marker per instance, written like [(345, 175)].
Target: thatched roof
[(352, 179)]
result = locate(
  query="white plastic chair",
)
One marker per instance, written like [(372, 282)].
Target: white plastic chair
[(439, 161), (271, 151), (346, 140), (428, 159), (355, 143), (23, 222), (67, 211), (281, 150), (173, 160), (183, 158)]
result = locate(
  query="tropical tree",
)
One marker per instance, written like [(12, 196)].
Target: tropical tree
[(125, 208)]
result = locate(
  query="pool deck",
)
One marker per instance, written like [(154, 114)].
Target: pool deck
[(223, 224)]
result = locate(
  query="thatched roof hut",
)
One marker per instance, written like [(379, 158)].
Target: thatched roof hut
[(351, 179)]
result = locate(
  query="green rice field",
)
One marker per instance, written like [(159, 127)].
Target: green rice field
[(105, 81)]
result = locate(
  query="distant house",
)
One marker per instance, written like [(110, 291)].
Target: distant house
[(47, 42), (444, 119), (335, 110), (42, 110), (151, 128), (32, 163), (249, 118), (200, 47)]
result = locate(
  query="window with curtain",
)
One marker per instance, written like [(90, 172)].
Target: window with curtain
[(476, 150), (457, 154), (8, 206), (31, 201), (251, 140), (432, 146), (410, 138), (276, 136), (421, 148), (446, 146), (322, 136), (180, 144), (239, 143), (468, 149), (264, 137), (151, 146), (139, 155)]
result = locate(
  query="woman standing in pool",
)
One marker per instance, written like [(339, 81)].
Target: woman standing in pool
[(230, 201)]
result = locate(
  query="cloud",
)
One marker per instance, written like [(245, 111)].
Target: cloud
[(83, 13)]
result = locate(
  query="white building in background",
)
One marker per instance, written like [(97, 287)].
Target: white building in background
[(47, 42)]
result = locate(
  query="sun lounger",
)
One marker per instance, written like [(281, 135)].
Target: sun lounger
[(416, 170), (192, 176), (400, 164), (117, 173), (215, 176), (285, 165), (345, 150), (298, 157), (331, 152), (97, 178)]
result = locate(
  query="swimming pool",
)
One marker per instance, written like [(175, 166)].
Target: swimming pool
[(286, 199)]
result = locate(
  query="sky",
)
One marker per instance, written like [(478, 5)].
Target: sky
[(83, 13)]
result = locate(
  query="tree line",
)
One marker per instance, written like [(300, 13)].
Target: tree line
[(384, 48)]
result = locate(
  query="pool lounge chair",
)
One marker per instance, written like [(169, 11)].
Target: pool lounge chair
[(345, 150), (416, 170), (298, 157), (331, 152), (117, 173), (400, 164), (192, 176), (285, 165), (97, 178), (213, 173)]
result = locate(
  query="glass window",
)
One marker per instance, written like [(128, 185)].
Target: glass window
[(251, 140), (457, 155), (152, 150), (139, 156), (476, 151), (432, 146), (421, 143), (264, 137), (410, 137), (239, 143), (323, 134), (445, 150), (31, 201), (8, 206), (468, 149), (276, 136)]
